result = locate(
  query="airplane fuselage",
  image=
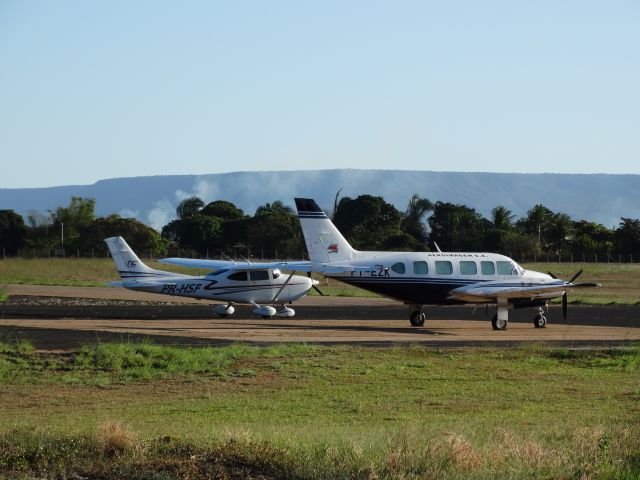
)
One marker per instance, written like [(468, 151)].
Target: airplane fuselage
[(427, 278), (256, 286)]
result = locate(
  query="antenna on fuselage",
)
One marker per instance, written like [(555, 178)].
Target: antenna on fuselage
[(437, 247)]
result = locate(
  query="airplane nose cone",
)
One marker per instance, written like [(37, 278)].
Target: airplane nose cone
[(314, 282)]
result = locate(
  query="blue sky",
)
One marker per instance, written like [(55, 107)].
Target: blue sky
[(92, 90)]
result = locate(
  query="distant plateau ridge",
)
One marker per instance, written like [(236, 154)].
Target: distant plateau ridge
[(596, 197)]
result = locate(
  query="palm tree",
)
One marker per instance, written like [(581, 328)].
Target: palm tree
[(412, 220), (561, 231), (189, 207), (502, 218)]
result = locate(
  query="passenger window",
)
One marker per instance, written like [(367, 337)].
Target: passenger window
[(420, 268), (468, 268), (505, 268), (487, 268), (258, 275), (398, 268), (238, 276), (444, 267)]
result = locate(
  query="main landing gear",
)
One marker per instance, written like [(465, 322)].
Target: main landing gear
[(500, 319), (224, 310), (417, 317)]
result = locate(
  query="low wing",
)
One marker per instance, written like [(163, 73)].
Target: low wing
[(302, 266), (492, 291)]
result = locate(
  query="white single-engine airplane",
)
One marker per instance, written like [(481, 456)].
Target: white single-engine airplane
[(431, 278), (230, 282)]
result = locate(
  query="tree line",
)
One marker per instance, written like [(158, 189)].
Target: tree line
[(221, 229)]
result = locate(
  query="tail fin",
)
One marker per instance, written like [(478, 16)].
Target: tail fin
[(130, 267), (325, 243)]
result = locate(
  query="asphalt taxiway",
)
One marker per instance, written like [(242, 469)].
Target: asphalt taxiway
[(64, 317)]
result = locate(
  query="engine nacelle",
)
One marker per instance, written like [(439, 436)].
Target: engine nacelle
[(265, 311), (286, 312), (224, 310)]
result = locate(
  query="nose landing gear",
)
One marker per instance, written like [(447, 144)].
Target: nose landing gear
[(540, 321)]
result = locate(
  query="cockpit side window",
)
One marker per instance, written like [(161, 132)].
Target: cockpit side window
[(259, 275), (444, 267), (506, 268), (238, 276), (399, 268), (420, 268), (468, 267), (487, 268)]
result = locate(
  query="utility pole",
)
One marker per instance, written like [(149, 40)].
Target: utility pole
[(62, 237)]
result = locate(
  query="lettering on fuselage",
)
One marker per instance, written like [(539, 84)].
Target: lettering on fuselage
[(378, 271), (184, 289)]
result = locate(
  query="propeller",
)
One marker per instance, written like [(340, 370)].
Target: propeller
[(565, 301)]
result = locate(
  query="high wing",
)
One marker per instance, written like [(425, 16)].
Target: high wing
[(302, 266), (504, 290), (141, 284), (335, 268)]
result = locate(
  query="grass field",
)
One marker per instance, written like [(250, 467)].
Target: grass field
[(620, 282), (298, 411)]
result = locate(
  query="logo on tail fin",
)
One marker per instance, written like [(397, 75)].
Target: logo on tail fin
[(333, 248)]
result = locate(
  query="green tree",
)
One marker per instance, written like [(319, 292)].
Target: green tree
[(189, 207), (592, 239), (413, 218), (69, 221), (13, 231), (458, 227), (274, 229), (143, 239), (537, 222), (627, 236), (225, 211), (197, 232), (502, 218), (367, 222), (561, 234)]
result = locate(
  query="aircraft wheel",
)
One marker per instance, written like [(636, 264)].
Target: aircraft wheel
[(498, 324), (417, 318), (539, 321)]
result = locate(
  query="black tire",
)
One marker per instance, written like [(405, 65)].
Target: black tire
[(498, 324), (539, 321), (417, 318)]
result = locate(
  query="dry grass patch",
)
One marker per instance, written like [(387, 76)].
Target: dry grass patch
[(115, 438)]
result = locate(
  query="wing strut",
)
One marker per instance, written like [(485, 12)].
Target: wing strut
[(275, 299)]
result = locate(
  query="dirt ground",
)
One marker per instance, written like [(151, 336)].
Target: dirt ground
[(63, 317)]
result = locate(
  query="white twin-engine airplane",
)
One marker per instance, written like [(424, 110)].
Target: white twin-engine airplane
[(431, 278), (230, 282)]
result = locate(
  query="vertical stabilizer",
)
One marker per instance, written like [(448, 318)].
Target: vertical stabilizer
[(325, 243), (129, 266)]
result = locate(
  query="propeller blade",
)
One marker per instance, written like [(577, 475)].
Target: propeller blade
[(552, 275), (318, 290), (576, 275), (564, 305)]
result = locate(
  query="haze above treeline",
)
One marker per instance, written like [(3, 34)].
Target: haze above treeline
[(601, 198), (220, 228)]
